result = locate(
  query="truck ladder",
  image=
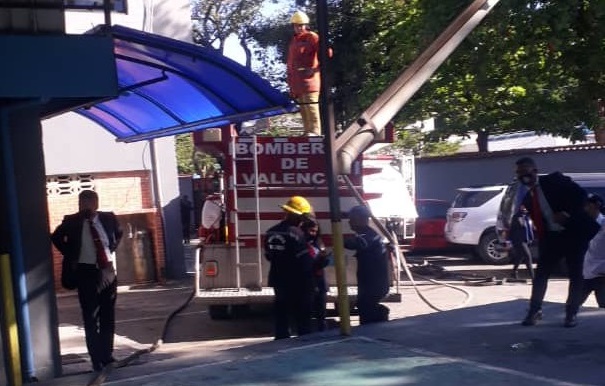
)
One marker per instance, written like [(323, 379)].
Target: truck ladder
[(236, 211), (358, 136)]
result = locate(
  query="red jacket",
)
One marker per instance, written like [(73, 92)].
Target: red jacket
[(303, 64)]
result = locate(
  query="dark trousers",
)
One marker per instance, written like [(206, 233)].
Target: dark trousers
[(370, 309), (522, 254), (597, 285), (186, 227), (319, 303), (97, 292), (292, 302), (554, 247)]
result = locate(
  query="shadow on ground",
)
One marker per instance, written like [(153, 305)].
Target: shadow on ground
[(477, 345)]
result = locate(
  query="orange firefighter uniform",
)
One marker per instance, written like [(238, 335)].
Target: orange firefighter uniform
[(303, 73)]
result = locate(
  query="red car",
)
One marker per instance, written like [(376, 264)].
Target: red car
[(430, 224)]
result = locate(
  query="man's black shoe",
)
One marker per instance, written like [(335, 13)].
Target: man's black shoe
[(97, 367), (532, 318), (570, 321)]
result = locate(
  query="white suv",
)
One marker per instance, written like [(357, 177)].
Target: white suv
[(471, 220)]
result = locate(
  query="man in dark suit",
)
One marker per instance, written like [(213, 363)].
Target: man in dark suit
[(563, 229), (89, 239)]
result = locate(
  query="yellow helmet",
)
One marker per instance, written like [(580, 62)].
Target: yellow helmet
[(299, 17), (297, 205)]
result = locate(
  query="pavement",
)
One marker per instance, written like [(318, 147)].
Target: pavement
[(478, 343)]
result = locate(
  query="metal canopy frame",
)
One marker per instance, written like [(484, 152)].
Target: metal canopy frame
[(170, 87)]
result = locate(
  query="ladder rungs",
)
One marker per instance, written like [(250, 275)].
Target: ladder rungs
[(243, 159), (248, 264)]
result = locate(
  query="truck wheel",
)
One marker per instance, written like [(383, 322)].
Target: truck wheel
[(220, 312), (488, 251)]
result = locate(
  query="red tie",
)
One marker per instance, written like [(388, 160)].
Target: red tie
[(102, 260), (536, 213)]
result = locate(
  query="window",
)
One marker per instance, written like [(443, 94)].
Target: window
[(473, 199), (432, 209)]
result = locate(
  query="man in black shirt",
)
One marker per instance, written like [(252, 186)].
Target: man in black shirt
[(291, 272), (372, 267)]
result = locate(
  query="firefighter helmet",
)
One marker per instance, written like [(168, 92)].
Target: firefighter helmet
[(299, 17), (297, 205)]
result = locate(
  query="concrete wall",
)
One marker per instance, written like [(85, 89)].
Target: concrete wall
[(73, 144), (438, 177)]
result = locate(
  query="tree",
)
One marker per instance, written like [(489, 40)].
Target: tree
[(529, 65), (214, 21), (191, 160), (217, 20), (184, 154), (413, 140)]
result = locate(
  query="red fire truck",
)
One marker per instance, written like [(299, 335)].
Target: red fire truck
[(260, 173)]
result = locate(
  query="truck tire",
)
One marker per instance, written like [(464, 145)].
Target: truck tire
[(487, 249)]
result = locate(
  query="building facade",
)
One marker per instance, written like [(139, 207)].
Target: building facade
[(138, 181)]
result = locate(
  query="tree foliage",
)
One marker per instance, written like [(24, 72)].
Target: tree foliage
[(217, 20), (529, 65), (190, 160), (184, 154), (214, 21)]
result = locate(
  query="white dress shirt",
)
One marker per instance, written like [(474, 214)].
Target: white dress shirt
[(88, 252)]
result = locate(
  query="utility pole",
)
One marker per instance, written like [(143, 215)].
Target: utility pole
[(328, 128)]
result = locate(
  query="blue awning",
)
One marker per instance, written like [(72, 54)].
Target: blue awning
[(171, 87)]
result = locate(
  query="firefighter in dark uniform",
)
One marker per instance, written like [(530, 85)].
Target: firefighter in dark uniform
[(291, 272), (372, 267)]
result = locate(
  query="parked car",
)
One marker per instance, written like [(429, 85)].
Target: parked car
[(471, 221), (472, 218), (430, 225)]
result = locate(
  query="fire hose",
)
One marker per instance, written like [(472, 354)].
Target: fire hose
[(402, 263), (101, 376)]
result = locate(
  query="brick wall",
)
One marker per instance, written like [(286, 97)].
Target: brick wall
[(125, 193)]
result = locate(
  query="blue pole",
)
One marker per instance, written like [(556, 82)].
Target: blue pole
[(27, 354)]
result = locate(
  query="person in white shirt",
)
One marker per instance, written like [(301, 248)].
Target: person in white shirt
[(594, 259)]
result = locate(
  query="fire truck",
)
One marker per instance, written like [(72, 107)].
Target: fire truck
[(261, 172)]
